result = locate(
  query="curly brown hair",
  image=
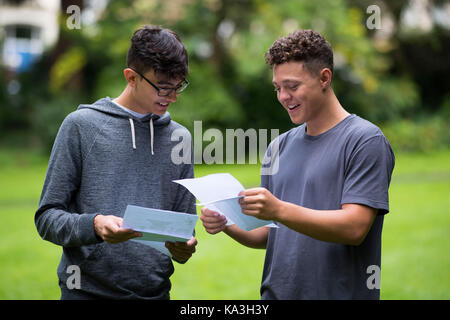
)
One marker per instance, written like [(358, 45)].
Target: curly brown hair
[(307, 46)]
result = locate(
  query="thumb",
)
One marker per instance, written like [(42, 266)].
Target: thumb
[(192, 242)]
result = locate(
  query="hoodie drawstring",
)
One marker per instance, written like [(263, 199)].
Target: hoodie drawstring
[(151, 134), (133, 136)]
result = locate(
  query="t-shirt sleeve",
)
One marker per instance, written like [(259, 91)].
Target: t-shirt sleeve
[(368, 174), (270, 164)]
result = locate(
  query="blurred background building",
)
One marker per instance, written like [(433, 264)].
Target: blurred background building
[(28, 28)]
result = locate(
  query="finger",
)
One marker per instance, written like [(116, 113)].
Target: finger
[(115, 221), (215, 230), (135, 234), (209, 213), (188, 246), (215, 225), (192, 242), (215, 219), (111, 228), (181, 258), (250, 199), (121, 235), (252, 206), (122, 231), (253, 213), (214, 222), (251, 192), (178, 245), (180, 252), (182, 249)]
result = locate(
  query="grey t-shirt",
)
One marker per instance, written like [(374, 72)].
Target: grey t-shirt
[(350, 163)]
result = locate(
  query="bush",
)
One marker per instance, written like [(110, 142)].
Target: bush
[(423, 135), (48, 116)]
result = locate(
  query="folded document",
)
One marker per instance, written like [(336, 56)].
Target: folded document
[(158, 226), (219, 192)]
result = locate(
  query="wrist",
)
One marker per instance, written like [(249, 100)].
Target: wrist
[(280, 211), (228, 230), (231, 230), (97, 228)]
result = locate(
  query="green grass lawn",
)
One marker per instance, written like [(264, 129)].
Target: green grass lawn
[(415, 261)]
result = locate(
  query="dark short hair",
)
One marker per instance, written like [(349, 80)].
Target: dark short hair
[(307, 46), (160, 49)]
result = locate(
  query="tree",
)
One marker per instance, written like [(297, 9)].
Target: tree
[(230, 82)]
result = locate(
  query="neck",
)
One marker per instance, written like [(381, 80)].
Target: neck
[(126, 99), (329, 114)]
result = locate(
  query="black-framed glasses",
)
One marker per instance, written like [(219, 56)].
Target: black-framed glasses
[(164, 92)]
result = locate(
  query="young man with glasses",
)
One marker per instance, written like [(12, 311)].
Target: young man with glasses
[(110, 154), (330, 194)]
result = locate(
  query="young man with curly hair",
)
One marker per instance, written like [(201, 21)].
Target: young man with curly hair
[(330, 194), (112, 153)]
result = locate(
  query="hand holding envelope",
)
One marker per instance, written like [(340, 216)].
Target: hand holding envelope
[(182, 251), (166, 231), (108, 228), (213, 221), (220, 192)]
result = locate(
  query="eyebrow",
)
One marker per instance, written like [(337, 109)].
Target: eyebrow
[(163, 82), (287, 81)]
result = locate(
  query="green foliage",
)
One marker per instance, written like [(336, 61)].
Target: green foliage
[(71, 62), (230, 82), (424, 135), (50, 116), (13, 107), (206, 99)]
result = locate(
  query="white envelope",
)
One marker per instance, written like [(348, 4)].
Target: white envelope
[(219, 192), (158, 226)]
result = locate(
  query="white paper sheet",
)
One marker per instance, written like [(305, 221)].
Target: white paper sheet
[(219, 192), (159, 226)]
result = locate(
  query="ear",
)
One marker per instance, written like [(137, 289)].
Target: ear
[(130, 76), (325, 78)]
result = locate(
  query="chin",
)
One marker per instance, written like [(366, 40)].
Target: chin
[(160, 112), (298, 120)]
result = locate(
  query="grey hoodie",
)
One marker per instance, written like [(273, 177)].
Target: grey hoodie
[(102, 161)]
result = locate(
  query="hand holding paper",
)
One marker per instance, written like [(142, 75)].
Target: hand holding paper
[(159, 226), (220, 192), (182, 251), (108, 227), (212, 221), (260, 203)]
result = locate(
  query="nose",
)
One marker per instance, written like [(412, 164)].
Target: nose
[(172, 97), (283, 95)]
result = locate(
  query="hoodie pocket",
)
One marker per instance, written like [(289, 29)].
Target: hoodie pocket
[(128, 269), (92, 254)]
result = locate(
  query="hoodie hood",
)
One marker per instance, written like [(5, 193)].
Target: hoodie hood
[(105, 105)]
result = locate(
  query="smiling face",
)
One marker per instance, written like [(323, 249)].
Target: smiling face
[(146, 96), (158, 55), (298, 91)]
